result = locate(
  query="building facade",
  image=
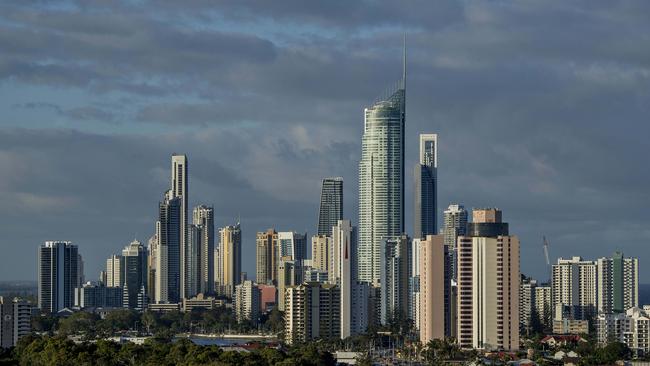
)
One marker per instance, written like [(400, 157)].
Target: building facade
[(247, 302), (321, 247), (331, 205), (203, 220), (15, 321), (574, 285), (395, 279), (434, 310), (454, 225), (135, 274), (631, 328), (179, 189), (168, 260), (114, 271), (312, 310)]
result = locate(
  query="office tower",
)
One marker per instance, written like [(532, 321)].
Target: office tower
[(15, 321), (542, 305), (114, 271), (574, 284), (168, 261), (331, 205), (58, 275), (618, 283), (394, 279), (425, 219), (134, 259), (455, 225), (247, 302), (230, 253), (381, 180), (152, 249), (203, 219), (434, 290), (266, 253), (414, 282), (312, 310), (631, 328), (343, 232), (321, 246), (90, 295), (179, 190), (488, 284)]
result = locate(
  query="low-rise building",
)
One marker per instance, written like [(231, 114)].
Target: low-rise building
[(631, 328), (570, 326)]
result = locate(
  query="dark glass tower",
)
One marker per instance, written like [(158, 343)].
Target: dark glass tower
[(134, 272), (170, 242), (426, 192), (331, 205)]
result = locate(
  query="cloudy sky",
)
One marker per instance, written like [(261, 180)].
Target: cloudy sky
[(541, 109)]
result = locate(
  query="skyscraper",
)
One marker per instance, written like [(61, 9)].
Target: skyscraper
[(152, 248), (58, 275), (488, 284), (168, 261), (321, 247), (230, 253), (293, 244), (455, 225), (134, 259), (179, 189), (193, 261), (425, 220), (434, 289), (618, 283), (266, 252), (114, 271), (311, 311), (342, 233), (381, 179), (331, 205), (203, 219), (395, 279)]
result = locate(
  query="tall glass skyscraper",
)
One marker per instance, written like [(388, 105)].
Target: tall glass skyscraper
[(168, 266), (331, 205), (425, 220), (381, 180)]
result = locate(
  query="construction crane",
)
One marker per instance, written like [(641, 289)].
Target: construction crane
[(548, 261)]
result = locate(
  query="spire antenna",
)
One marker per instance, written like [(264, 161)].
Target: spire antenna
[(404, 64)]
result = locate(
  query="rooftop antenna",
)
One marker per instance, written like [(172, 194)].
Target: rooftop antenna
[(404, 64)]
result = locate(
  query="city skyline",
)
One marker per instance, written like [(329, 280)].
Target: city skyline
[(277, 183)]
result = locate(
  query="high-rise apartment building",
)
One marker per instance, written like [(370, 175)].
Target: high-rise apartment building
[(414, 282), (168, 260), (230, 256), (114, 271), (152, 248), (575, 285), (247, 302), (203, 220), (289, 274), (321, 247), (542, 305), (331, 205), (343, 232), (381, 180), (58, 275), (193, 261), (292, 244), (266, 253), (631, 328), (488, 284), (15, 321), (454, 225), (526, 304), (395, 279), (179, 189), (312, 310), (135, 276), (618, 283), (353, 294), (425, 219), (434, 290)]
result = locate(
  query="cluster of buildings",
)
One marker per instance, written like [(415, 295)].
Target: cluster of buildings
[(462, 280)]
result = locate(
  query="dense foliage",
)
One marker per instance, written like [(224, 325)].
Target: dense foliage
[(37, 351)]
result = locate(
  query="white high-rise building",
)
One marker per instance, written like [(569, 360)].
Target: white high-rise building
[(342, 233), (114, 271), (381, 180), (354, 294), (247, 302), (575, 286), (203, 220), (618, 283), (631, 328), (179, 189)]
